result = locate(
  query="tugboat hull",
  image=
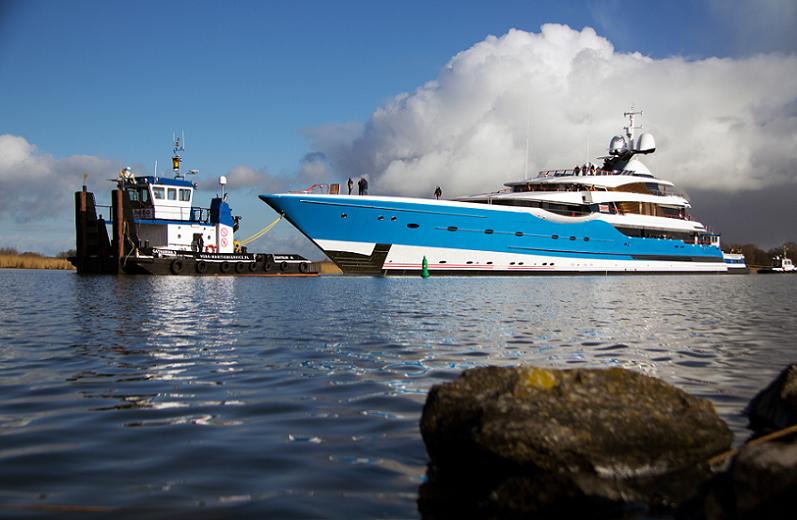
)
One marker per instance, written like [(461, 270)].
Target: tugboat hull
[(204, 264)]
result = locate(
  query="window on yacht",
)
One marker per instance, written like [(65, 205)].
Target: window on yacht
[(158, 192), (172, 194), (185, 195)]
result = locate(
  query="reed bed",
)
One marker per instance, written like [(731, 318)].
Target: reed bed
[(33, 262)]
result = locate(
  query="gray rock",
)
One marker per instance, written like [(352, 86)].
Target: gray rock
[(529, 440), (764, 480), (775, 407)]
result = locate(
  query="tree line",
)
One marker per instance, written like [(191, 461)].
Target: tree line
[(755, 256)]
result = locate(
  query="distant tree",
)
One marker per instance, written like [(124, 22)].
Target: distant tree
[(67, 254), (31, 253), (8, 251)]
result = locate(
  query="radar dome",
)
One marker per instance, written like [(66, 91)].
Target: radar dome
[(646, 144), (617, 145)]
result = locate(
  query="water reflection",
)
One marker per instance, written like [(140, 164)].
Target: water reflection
[(289, 395)]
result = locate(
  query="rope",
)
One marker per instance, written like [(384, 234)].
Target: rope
[(249, 240), (722, 457)]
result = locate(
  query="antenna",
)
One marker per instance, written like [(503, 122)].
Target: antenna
[(629, 130), (156, 168), (177, 158)]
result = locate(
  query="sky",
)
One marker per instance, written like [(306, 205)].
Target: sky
[(281, 95)]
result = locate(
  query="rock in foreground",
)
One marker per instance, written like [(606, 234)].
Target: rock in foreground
[(514, 441), (775, 407)]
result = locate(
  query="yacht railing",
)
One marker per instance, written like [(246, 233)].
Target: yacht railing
[(589, 173)]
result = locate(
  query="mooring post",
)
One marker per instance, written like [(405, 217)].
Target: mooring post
[(81, 223), (118, 228)]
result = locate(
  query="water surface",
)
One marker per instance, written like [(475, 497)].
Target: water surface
[(301, 397)]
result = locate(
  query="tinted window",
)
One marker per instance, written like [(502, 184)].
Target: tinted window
[(158, 192)]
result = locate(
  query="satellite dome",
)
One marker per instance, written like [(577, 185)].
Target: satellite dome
[(617, 145), (646, 144)]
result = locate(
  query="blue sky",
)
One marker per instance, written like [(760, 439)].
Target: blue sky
[(250, 81)]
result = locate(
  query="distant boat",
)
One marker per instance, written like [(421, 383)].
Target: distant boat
[(614, 219), (780, 264)]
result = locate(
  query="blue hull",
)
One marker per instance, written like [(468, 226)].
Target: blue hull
[(495, 238)]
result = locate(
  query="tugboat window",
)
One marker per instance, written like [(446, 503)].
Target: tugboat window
[(412, 226), (572, 238), (185, 195), (586, 239), (172, 193), (488, 231), (144, 195), (555, 237), (343, 215), (393, 219), (518, 233), (380, 217), (158, 192), (452, 228)]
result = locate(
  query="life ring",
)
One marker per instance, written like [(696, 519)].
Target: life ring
[(225, 267), (283, 266), (240, 267), (303, 267), (201, 267), (210, 248), (177, 266), (252, 267), (268, 266)]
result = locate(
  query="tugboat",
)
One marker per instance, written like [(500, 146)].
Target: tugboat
[(157, 230), (780, 264)]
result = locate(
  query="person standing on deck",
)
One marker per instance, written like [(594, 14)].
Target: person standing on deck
[(438, 193), (350, 184)]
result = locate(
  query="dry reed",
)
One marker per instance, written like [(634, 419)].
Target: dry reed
[(33, 262)]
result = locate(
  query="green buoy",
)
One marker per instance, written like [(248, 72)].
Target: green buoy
[(424, 268)]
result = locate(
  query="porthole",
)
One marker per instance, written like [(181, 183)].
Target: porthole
[(452, 228), (545, 263), (393, 219), (518, 233), (511, 263), (442, 262), (469, 262), (551, 263), (586, 239), (412, 226), (380, 217), (490, 263), (555, 237), (520, 263), (343, 215), (488, 231), (572, 238)]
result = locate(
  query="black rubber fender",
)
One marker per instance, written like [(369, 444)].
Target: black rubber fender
[(304, 267), (201, 267), (240, 267), (283, 266), (177, 266), (225, 267)]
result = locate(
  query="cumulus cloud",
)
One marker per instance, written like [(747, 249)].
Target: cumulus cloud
[(720, 124), (34, 185)]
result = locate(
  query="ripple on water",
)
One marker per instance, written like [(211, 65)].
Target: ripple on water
[(301, 398)]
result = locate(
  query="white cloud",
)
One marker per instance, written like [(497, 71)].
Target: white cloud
[(722, 124), (36, 186)]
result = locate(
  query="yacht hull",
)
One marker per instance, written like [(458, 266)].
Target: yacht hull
[(392, 235)]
